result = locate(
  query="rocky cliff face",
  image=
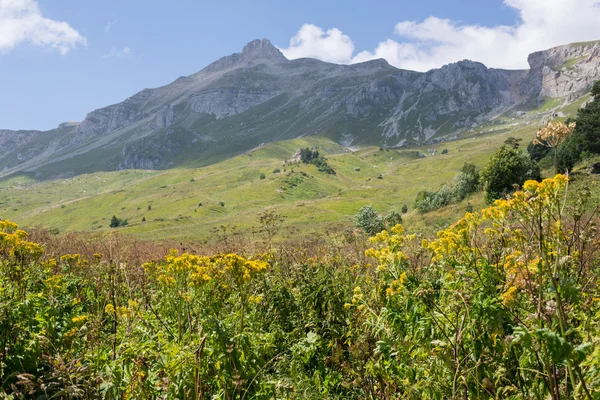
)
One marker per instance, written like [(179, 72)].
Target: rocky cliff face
[(258, 96)]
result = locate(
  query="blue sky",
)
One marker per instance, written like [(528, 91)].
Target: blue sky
[(87, 54)]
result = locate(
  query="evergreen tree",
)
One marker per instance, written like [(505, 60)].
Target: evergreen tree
[(588, 121)]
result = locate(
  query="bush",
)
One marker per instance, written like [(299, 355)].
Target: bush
[(508, 167), (308, 156), (393, 219), (464, 184), (276, 171), (262, 176), (445, 151), (404, 209), (117, 222), (222, 204), (369, 221)]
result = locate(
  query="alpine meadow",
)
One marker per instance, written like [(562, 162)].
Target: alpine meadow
[(301, 222)]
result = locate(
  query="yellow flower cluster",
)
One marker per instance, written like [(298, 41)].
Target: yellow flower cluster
[(505, 229), (389, 253), (74, 260), (81, 318), (13, 242), (535, 198), (194, 271), (396, 285)]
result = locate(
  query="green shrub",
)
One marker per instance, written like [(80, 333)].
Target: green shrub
[(369, 221), (117, 222), (507, 168), (262, 176), (393, 219), (276, 171), (464, 184)]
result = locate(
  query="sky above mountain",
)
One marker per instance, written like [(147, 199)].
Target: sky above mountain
[(60, 59)]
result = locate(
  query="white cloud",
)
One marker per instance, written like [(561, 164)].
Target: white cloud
[(312, 41), (109, 25), (431, 43), (22, 21), (114, 53)]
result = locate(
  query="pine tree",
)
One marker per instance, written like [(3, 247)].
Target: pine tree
[(588, 121)]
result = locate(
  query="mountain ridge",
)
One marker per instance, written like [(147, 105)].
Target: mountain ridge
[(258, 96)]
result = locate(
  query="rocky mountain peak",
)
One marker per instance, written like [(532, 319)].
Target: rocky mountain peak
[(262, 49)]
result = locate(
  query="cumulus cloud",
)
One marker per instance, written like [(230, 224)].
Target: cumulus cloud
[(22, 21), (433, 42), (311, 41), (114, 53)]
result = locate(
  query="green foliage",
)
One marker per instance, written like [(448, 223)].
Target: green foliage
[(262, 176), (392, 219), (464, 184), (513, 142), (588, 121), (569, 151), (276, 170), (537, 151), (308, 156), (495, 306), (404, 209), (222, 203), (586, 136), (369, 221), (445, 151), (508, 167), (117, 222)]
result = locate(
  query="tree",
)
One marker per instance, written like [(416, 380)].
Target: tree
[(569, 152), (114, 222), (369, 221), (513, 142), (588, 121), (553, 135), (466, 182), (537, 152), (505, 169)]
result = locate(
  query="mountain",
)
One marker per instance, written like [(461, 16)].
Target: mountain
[(258, 96)]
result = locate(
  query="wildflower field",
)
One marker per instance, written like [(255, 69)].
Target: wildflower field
[(503, 304)]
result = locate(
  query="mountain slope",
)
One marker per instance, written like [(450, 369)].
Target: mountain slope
[(258, 96)]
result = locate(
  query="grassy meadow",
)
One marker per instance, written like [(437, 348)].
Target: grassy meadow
[(186, 202)]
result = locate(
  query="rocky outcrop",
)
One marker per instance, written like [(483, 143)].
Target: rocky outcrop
[(563, 72), (257, 96)]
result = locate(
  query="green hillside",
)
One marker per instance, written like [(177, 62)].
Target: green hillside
[(186, 202)]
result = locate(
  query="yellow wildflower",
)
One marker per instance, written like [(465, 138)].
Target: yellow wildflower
[(81, 318)]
